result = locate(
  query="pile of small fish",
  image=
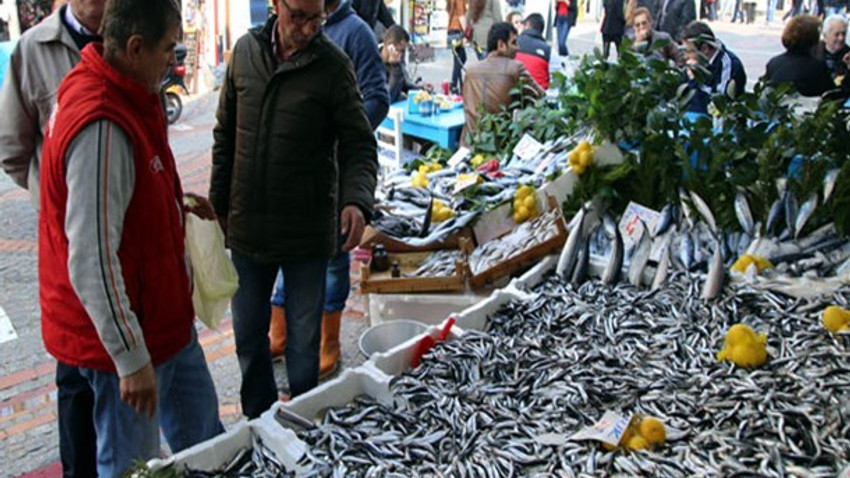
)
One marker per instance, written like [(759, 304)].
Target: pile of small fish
[(527, 235), (686, 238), (504, 402), (439, 264), (257, 461)]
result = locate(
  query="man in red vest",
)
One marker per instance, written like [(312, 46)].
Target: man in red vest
[(534, 51), (114, 286)]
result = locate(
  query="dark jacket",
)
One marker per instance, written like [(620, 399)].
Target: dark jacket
[(834, 61), (614, 23), (725, 68), (372, 12), (675, 16), (275, 175), (398, 83), (354, 36), (809, 75), (534, 52)]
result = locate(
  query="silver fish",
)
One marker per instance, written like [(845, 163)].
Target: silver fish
[(704, 211), (663, 265), (582, 262), (829, 183), (612, 270), (686, 250), (714, 278), (568, 255), (773, 215), (639, 258), (790, 204), (806, 211), (743, 213), (665, 220)]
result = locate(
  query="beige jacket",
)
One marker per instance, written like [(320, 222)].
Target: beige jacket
[(42, 57), (488, 84)]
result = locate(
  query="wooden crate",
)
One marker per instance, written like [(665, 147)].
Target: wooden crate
[(519, 261), (372, 236), (383, 282)]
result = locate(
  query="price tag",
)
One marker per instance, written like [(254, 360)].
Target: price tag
[(609, 429), (631, 227), (459, 156), (465, 181), (527, 147)]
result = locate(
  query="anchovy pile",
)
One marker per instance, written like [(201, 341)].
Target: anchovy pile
[(503, 402), (254, 462), (439, 264), (527, 235)]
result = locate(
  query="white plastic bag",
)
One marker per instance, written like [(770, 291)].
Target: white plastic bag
[(214, 276)]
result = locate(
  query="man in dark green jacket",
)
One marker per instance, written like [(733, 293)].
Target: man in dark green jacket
[(293, 147)]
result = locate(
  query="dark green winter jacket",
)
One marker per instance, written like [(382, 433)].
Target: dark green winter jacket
[(292, 147)]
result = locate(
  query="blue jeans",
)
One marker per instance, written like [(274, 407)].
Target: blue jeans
[(771, 10), (77, 438), (305, 288), (562, 24), (187, 411), (337, 284)]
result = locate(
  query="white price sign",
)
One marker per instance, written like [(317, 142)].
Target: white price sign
[(527, 147)]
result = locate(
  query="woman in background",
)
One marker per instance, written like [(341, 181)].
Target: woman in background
[(481, 16), (798, 65), (613, 26), (566, 13)]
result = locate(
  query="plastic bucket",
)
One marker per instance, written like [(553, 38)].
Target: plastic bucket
[(386, 335)]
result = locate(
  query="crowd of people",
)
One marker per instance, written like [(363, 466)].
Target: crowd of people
[(294, 167)]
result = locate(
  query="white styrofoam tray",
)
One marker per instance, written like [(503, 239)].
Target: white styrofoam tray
[(397, 360), (429, 309), (340, 391), (216, 452)]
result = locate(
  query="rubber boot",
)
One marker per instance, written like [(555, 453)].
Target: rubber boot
[(329, 347), (277, 333)]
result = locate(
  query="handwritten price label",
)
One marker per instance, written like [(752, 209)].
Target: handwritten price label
[(609, 429)]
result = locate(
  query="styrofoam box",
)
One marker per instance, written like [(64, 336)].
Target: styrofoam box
[(429, 309), (214, 453), (397, 360), (534, 276), (338, 392), (475, 317)]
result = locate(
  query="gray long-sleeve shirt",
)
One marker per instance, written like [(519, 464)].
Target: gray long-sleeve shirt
[(100, 176)]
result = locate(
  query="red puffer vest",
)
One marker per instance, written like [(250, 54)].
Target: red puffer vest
[(151, 252)]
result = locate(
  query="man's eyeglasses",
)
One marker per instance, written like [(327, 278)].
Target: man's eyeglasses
[(301, 18), (642, 24)]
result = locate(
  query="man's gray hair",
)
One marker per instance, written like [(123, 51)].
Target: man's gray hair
[(149, 18), (833, 21)]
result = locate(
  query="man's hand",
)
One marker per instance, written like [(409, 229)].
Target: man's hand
[(353, 223), (846, 59), (200, 206), (139, 390)]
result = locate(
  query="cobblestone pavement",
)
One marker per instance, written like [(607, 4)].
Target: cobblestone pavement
[(28, 438)]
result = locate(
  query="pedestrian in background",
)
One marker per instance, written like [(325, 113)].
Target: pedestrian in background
[(116, 299), (613, 26), (396, 41), (833, 49), (534, 51), (482, 14), (352, 34), (292, 148), (455, 38), (515, 19), (41, 59), (726, 72), (566, 13), (798, 65), (674, 15)]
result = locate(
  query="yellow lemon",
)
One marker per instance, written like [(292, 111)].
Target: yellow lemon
[(579, 169), (530, 202), (748, 355), (834, 318), (637, 442), (585, 158), (518, 202), (584, 145), (740, 334), (742, 264), (652, 429)]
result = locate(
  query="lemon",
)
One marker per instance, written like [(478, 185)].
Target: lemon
[(572, 156), (518, 218), (652, 429), (518, 203), (740, 334), (423, 169), (579, 169), (585, 158), (637, 442), (530, 202), (835, 318), (743, 263), (748, 355), (584, 145)]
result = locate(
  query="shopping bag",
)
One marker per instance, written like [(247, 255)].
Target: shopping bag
[(213, 273)]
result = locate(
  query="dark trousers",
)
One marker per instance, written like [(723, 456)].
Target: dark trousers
[(607, 40), (562, 25), (77, 438), (455, 38)]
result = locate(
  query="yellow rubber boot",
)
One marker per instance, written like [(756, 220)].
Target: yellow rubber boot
[(277, 333), (329, 346)]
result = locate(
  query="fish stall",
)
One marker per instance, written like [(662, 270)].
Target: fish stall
[(687, 317)]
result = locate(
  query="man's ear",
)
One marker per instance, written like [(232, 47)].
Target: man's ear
[(134, 47)]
